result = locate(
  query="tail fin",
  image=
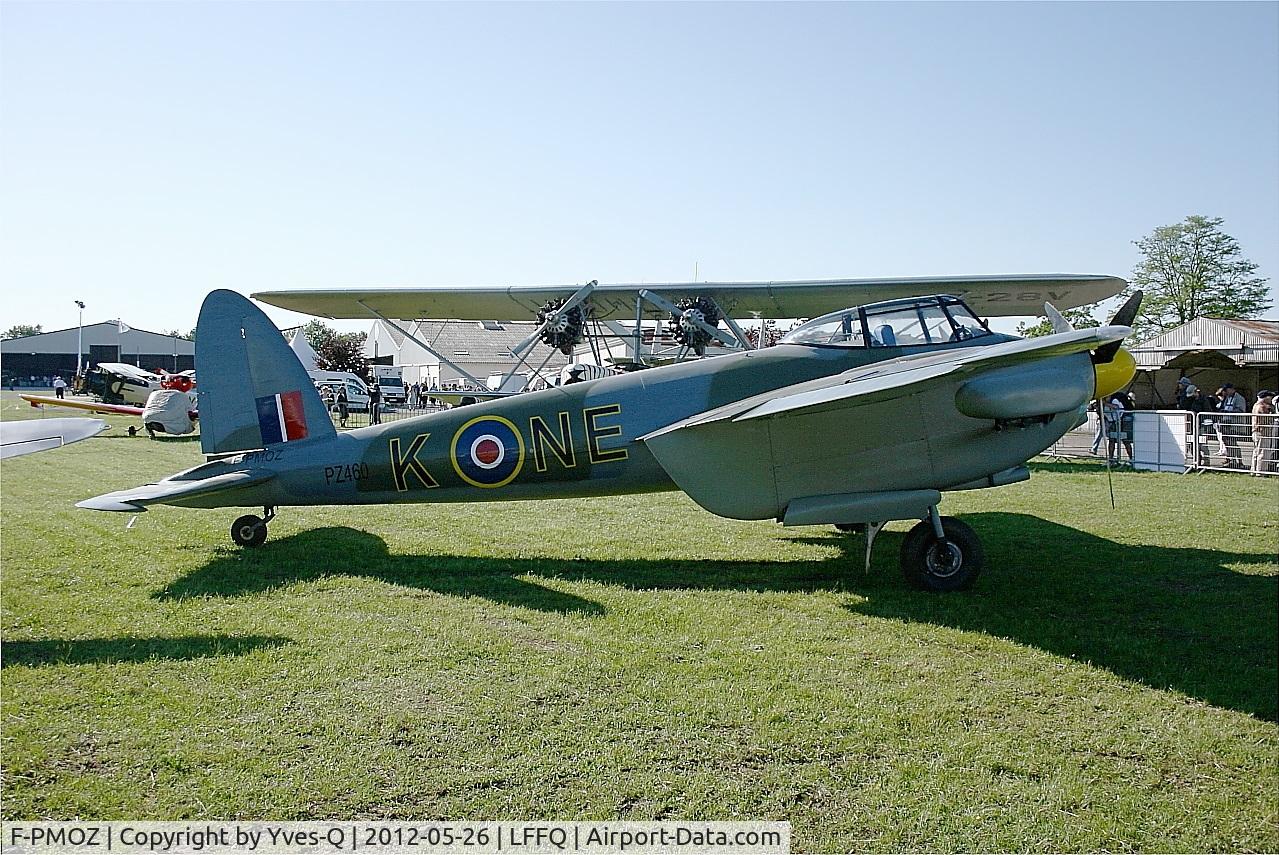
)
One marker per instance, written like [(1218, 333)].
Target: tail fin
[(254, 393)]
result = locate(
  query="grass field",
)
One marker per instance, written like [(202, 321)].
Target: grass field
[(1109, 684)]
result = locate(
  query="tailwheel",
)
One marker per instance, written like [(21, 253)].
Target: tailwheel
[(250, 530), (949, 563)]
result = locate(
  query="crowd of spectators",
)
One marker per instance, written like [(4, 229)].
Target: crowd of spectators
[(32, 381), (1226, 417)]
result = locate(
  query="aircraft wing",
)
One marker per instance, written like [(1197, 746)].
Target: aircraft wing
[(893, 423), (31, 435), (456, 397), (987, 295), (174, 491), (898, 377), (133, 372), (91, 406)]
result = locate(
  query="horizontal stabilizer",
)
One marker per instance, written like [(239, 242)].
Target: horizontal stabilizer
[(171, 491)]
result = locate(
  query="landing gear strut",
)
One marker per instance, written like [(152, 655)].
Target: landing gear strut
[(941, 554), (250, 530), (938, 554)]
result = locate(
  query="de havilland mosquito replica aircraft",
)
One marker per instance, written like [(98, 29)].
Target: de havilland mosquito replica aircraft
[(855, 418)]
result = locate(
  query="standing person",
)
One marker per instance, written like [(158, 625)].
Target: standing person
[(1118, 428), (59, 387), (344, 406), (375, 400), (1099, 432), (1198, 402), (1184, 395), (1265, 433), (1232, 406), (1112, 413)]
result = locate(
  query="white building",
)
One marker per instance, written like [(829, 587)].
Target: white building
[(477, 348)]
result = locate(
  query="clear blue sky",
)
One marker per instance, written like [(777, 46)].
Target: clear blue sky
[(152, 152)]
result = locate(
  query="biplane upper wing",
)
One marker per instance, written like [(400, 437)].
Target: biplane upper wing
[(987, 295), (751, 458), (133, 372)]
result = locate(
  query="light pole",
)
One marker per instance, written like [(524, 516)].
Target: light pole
[(79, 341)]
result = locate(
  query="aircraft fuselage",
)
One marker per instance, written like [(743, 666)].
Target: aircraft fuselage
[(563, 442)]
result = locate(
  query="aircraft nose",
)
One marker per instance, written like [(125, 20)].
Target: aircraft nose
[(1114, 375)]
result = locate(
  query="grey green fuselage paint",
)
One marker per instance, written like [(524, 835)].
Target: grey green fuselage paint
[(563, 442)]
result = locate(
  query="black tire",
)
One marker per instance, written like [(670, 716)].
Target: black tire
[(927, 567), (851, 528), (249, 531)]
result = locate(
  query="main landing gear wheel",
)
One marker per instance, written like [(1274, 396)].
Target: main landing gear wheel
[(250, 530), (952, 564)]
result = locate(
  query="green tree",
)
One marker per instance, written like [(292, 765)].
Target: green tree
[(1193, 269), (335, 351), (22, 330), (772, 335), (318, 334), (1080, 318)]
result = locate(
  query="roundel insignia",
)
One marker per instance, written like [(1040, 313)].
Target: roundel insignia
[(487, 452)]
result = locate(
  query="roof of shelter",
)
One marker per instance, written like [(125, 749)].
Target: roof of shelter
[(1247, 342), (483, 341)]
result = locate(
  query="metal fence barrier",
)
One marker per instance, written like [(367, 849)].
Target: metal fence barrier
[(1177, 441), (386, 413)]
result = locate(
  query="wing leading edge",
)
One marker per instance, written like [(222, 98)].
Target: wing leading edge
[(987, 295)]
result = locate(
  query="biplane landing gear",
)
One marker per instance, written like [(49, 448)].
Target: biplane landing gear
[(250, 530), (941, 554)]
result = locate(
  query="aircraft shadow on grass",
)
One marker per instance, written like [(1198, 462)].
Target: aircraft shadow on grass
[(123, 433), (84, 651), (1170, 618)]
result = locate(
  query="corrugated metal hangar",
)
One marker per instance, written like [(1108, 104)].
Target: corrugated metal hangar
[(1211, 352), (50, 353)]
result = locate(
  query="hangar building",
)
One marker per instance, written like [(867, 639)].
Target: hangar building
[(1210, 351), (54, 352)]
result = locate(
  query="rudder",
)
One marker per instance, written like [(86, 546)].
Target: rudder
[(253, 391)]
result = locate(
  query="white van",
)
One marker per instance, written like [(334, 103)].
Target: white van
[(357, 394), (390, 379)]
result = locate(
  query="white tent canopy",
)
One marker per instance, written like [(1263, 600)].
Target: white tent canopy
[(302, 347)]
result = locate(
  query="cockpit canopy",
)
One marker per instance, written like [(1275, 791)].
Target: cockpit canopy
[(894, 323)]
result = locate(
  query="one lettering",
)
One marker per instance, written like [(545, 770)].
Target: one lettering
[(402, 464), (594, 433), (561, 444)]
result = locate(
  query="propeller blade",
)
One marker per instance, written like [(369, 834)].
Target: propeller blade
[(1123, 318), (1060, 324), (1128, 311)]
